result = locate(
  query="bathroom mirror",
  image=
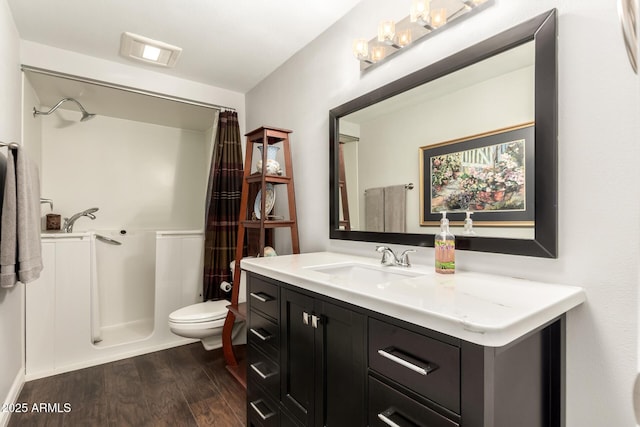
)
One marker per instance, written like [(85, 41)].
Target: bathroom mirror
[(377, 140)]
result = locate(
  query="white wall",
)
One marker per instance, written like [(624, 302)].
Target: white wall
[(599, 131), (141, 176), (11, 300)]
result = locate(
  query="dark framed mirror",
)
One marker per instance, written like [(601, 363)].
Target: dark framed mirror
[(411, 111)]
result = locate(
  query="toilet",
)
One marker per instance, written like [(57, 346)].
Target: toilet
[(204, 320)]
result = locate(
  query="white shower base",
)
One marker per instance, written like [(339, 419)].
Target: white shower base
[(58, 305), (129, 332)]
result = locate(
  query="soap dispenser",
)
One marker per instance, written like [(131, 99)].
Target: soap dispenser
[(445, 246), (468, 225)]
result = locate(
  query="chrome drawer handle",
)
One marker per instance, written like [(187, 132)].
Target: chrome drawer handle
[(260, 335), (382, 417), (264, 416), (259, 297), (387, 421), (259, 372), (419, 369)]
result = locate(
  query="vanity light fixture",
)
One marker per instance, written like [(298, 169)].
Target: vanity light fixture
[(378, 53), (361, 49), (147, 50), (438, 17), (404, 37), (425, 17), (420, 12), (387, 32)]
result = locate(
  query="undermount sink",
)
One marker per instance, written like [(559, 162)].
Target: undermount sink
[(366, 274)]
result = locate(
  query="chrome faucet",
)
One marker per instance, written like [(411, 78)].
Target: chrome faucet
[(68, 222), (390, 258)]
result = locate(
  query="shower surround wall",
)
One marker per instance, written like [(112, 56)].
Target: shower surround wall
[(141, 176)]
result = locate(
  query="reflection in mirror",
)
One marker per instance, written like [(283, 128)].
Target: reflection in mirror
[(381, 142), (504, 87)]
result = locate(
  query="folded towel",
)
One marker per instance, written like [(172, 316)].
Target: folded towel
[(20, 250), (8, 232), (28, 196), (395, 206), (374, 209)]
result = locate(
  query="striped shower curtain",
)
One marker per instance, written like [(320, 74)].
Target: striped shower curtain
[(222, 206)]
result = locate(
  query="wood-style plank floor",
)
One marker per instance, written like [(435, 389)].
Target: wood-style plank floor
[(181, 386)]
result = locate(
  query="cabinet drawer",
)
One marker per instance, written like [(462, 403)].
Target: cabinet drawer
[(425, 365), (263, 296), (262, 411), (264, 334), (263, 371), (389, 407)]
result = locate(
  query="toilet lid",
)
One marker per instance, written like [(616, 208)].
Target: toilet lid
[(200, 312)]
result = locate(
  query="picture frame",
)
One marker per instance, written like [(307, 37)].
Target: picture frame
[(490, 174)]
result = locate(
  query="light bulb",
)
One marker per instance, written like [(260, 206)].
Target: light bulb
[(438, 17), (386, 32), (360, 49), (419, 11), (377, 53), (404, 37)]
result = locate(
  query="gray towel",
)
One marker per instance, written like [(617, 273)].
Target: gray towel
[(374, 209), (20, 251), (395, 206), (8, 224)]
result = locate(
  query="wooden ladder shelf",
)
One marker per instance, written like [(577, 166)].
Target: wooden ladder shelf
[(264, 136)]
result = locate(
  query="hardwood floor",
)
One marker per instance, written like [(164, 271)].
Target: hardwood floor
[(182, 386)]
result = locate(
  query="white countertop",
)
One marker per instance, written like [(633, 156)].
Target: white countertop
[(483, 309)]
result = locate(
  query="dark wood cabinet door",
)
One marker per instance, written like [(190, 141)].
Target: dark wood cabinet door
[(297, 379), (323, 362), (341, 366)]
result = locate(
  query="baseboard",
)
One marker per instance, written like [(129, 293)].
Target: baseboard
[(107, 359), (12, 397)]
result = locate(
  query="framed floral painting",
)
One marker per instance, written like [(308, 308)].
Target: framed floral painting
[(490, 174)]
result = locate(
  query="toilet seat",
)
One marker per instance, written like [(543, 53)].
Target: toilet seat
[(200, 313), (203, 321)]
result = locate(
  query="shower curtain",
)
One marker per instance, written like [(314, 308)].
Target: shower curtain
[(222, 206)]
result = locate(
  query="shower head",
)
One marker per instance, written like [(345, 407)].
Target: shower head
[(85, 115)]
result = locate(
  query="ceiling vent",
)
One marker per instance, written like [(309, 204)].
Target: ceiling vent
[(147, 50)]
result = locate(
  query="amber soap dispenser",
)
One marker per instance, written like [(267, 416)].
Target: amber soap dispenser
[(445, 248)]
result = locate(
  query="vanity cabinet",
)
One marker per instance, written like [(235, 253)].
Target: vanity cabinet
[(323, 361), (319, 361), (306, 359)]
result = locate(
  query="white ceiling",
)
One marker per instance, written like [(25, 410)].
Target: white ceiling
[(228, 44)]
